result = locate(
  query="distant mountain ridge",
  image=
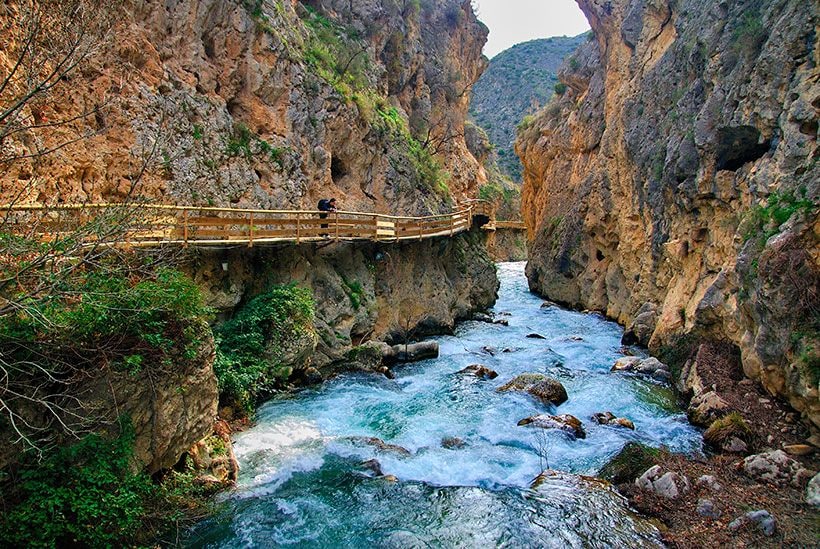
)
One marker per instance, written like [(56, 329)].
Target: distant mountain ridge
[(517, 82)]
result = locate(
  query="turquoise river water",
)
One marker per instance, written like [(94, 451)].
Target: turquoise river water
[(303, 481)]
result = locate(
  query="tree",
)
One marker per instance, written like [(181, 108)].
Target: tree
[(48, 255)]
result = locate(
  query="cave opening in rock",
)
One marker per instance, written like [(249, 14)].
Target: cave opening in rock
[(739, 145), (337, 169)]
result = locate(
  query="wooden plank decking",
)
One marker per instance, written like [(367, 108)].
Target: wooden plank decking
[(152, 225)]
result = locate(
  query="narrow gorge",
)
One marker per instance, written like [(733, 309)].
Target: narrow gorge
[(192, 354)]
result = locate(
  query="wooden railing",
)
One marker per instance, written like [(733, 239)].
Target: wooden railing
[(149, 225)]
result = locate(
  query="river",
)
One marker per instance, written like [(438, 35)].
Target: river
[(304, 481)]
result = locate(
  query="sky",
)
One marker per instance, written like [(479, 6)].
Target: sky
[(514, 21)]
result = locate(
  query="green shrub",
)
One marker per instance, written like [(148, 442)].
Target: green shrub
[(85, 494), (354, 292), (105, 316), (89, 494), (765, 221), (249, 346), (560, 88)]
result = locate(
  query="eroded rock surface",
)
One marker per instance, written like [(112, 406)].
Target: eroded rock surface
[(674, 184)]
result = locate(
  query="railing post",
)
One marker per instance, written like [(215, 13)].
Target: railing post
[(337, 224), (250, 232), (452, 225), (375, 227), (298, 217), (185, 228)]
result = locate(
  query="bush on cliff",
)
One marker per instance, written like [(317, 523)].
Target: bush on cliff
[(89, 495), (250, 346), (68, 318)]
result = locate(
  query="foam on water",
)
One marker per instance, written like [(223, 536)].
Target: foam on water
[(303, 454)]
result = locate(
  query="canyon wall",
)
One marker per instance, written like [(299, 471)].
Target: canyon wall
[(674, 184), (257, 103), (363, 291)]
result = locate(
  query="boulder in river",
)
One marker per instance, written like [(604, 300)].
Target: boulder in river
[(548, 390), (480, 371), (381, 445), (411, 352), (650, 367), (453, 443), (535, 336), (608, 418), (569, 424)]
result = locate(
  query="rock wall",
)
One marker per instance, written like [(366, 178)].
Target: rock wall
[(362, 291), (674, 184), (259, 103)]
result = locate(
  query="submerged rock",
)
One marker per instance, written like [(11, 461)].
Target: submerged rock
[(548, 390), (535, 336), (381, 445), (565, 422), (453, 443), (479, 371)]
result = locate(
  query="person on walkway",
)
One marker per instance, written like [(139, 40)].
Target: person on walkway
[(324, 207)]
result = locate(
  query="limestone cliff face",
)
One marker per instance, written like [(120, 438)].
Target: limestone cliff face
[(265, 103), (674, 184), (362, 292)]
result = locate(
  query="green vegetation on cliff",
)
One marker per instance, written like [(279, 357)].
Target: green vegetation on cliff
[(88, 494), (253, 345)]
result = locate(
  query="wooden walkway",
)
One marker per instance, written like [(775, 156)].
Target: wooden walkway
[(155, 225)]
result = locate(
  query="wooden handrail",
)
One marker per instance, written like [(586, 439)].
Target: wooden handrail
[(156, 224)]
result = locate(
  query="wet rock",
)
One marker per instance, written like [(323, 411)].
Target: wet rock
[(213, 459), (775, 467), (706, 408), (650, 367), (761, 518), (489, 350), (706, 508), (483, 317), (373, 466), (312, 376), (640, 330), (708, 482), (389, 478), (626, 364), (608, 418), (669, 485), (535, 336), (453, 443), (381, 445), (548, 390), (813, 491), (548, 304), (575, 338), (480, 371), (566, 423), (629, 463), (414, 352)]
